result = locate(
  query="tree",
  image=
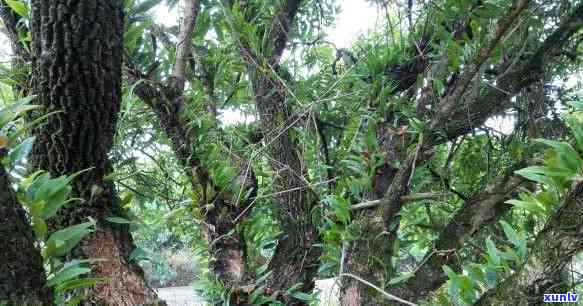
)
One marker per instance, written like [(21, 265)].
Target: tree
[(386, 174), (544, 272), (77, 61), (441, 126)]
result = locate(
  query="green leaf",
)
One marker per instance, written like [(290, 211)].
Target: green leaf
[(530, 206), (66, 274), (510, 233), (493, 253), (476, 273), (303, 296), (19, 7), (40, 228), (576, 125), (537, 174), (55, 201), (15, 109), (63, 241), (449, 272), (264, 277), (340, 207), (327, 267), (294, 288), (417, 125), (21, 151), (567, 156), (79, 283)]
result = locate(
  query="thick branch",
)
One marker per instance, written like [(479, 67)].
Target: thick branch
[(484, 208), (484, 54), (280, 29), (22, 277), (227, 246)]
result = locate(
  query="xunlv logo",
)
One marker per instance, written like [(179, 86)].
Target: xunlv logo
[(561, 297)]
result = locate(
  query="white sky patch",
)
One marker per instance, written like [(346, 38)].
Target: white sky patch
[(234, 116), (501, 124), (163, 15), (357, 17)]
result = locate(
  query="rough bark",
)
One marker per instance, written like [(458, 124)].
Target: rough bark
[(22, 276), (77, 48), (548, 260), (296, 258), (369, 257)]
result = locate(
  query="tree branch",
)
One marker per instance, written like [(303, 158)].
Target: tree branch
[(10, 20), (407, 198), (191, 10), (496, 99), (280, 29)]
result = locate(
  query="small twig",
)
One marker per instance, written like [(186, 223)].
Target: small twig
[(407, 198), (279, 193), (388, 295)]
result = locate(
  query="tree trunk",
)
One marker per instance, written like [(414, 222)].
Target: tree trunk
[(20, 56), (548, 260), (22, 276), (369, 257), (296, 258), (77, 48)]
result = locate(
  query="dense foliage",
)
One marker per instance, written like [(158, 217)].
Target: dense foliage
[(436, 161)]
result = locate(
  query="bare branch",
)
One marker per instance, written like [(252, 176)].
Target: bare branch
[(191, 10), (404, 199)]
